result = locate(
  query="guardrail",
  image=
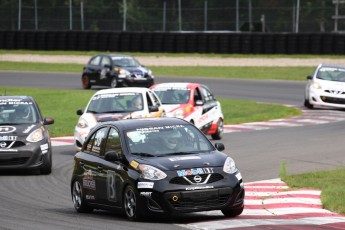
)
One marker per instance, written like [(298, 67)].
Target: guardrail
[(176, 42)]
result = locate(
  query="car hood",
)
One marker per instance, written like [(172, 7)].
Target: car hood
[(172, 107), (102, 117), (21, 130), (189, 161), (137, 70), (332, 85)]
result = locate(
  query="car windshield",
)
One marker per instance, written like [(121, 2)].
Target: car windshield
[(173, 95), (331, 74), (125, 62), (167, 140), (116, 103), (16, 111)]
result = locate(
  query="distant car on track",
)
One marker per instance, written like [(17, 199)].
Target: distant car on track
[(326, 87), (194, 103), (116, 104), (24, 135), (115, 70), (154, 166)]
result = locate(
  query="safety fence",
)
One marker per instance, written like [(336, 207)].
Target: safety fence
[(176, 42)]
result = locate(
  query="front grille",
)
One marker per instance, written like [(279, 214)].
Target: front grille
[(14, 161), (333, 100), (334, 92), (16, 144), (205, 179), (199, 199)]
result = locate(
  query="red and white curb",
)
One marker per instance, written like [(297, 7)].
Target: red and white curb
[(270, 204), (309, 117), (62, 141)]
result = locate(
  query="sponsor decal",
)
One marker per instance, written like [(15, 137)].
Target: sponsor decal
[(145, 184), (134, 164), (88, 181), (238, 176), (44, 148), (199, 188), (28, 129), (184, 158), (146, 194), (7, 129), (90, 197), (14, 102), (8, 138), (4, 144), (8, 150), (197, 171)]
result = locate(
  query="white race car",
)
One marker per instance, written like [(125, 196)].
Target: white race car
[(194, 103), (115, 104), (326, 87)]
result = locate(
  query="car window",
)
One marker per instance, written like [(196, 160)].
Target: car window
[(197, 95), (95, 60), (155, 99), (167, 140), (148, 98), (96, 144), (125, 62), (113, 142), (17, 111), (105, 61), (115, 103), (208, 96), (173, 95), (331, 74)]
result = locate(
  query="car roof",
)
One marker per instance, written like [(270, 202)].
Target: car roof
[(28, 98), (176, 85), (115, 55), (331, 65), (123, 90), (129, 124)]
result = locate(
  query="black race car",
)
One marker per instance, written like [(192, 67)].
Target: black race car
[(24, 135), (154, 166), (114, 70)]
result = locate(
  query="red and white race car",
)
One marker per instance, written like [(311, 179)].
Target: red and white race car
[(194, 103)]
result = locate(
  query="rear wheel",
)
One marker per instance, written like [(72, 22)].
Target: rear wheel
[(78, 198), (219, 133), (131, 203), (307, 104), (85, 81)]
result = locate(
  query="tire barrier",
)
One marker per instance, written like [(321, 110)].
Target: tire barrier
[(176, 42)]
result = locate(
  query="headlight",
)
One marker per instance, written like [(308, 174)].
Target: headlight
[(82, 123), (35, 136), (149, 72), (124, 73), (179, 113), (316, 85), (151, 173), (229, 166)]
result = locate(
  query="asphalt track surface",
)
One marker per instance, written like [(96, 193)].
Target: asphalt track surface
[(43, 202)]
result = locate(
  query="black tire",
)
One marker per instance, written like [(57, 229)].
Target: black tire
[(46, 168), (78, 198), (85, 82), (232, 212), (219, 133), (307, 104), (131, 203), (113, 83)]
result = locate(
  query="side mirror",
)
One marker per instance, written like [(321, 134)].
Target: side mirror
[(80, 112), (219, 146), (153, 108), (111, 156), (48, 121), (199, 102), (309, 77)]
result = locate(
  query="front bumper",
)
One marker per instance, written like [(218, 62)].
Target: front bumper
[(167, 198), (324, 98), (131, 81), (29, 156)]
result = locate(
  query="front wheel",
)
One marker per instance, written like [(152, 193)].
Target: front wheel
[(219, 133), (46, 168), (307, 104), (232, 212), (131, 203), (113, 83), (78, 198)]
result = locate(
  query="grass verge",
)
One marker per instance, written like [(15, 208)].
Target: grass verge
[(62, 106)]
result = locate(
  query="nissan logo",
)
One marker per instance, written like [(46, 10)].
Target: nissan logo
[(3, 144), (197, 179), (7, 129)]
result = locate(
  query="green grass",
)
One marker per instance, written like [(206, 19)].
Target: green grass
[(331, 183), (62, 106)]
